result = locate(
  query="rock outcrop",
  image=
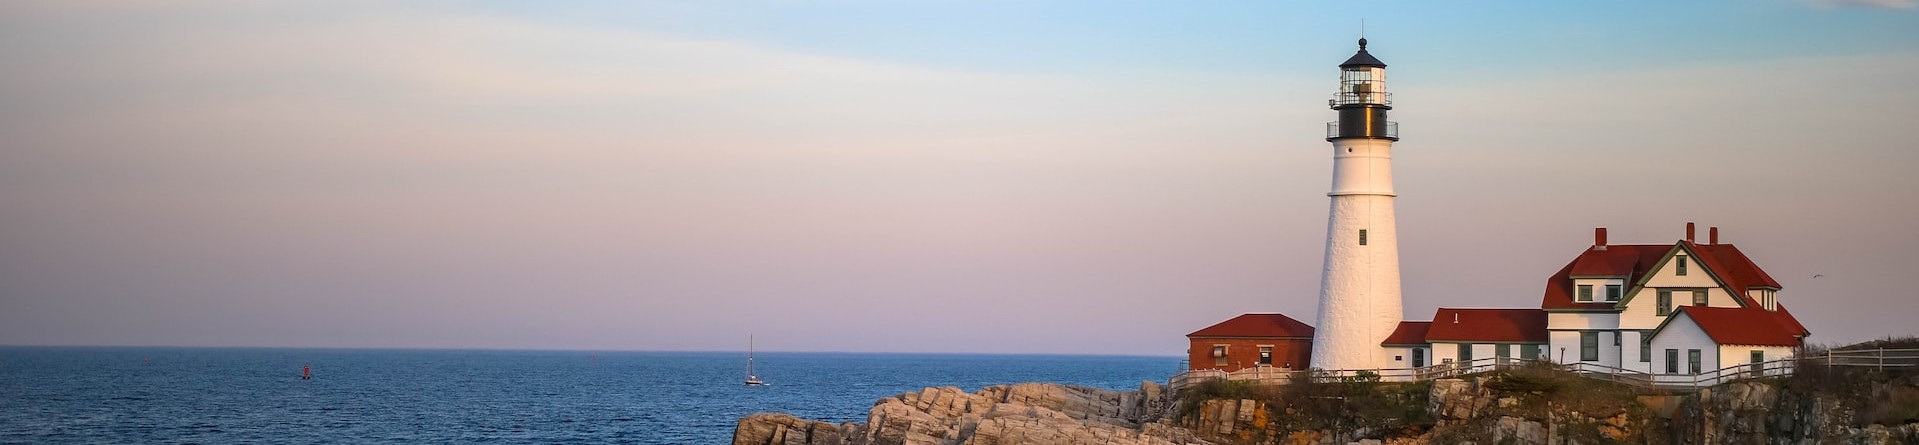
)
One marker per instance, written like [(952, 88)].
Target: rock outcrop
[(1027, 413), (1763, 413), (1482, 410)]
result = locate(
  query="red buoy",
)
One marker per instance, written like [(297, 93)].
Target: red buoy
[(306, 372)]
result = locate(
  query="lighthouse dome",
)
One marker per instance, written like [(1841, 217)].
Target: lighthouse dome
[(1363, 58)]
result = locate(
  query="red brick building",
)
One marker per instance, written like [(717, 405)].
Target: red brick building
[(1251, 340)]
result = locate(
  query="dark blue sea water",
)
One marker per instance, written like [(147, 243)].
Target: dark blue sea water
[(188, 395)]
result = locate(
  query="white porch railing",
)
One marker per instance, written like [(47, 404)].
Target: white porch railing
[(1881, 359)]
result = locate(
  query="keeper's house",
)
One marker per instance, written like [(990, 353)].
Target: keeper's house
[(1680, 308)]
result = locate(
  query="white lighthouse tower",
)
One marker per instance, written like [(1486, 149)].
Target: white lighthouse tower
[(1359, 289)]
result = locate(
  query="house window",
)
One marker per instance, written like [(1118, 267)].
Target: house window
[(1665, 302), (1588, 346), (1672, 361), (1529, 352), (1219, 355), (1692, 360), (1681, 271), (1645, 346), (1758, 356), (1362, 237), (1266, 355), (1503, 350), (1585, 292), (1465, 352), (1612, 292), (1419, 358), (1618, 338), (1698, 298)]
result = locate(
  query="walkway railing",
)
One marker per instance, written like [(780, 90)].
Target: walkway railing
[(1881, 359)]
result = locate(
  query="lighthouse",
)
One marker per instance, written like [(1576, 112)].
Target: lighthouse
[(1359, 302)]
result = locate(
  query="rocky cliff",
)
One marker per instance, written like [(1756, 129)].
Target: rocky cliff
[(1028, 413), (1496, 408)]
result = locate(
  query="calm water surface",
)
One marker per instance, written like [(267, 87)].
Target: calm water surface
[(181, 395)]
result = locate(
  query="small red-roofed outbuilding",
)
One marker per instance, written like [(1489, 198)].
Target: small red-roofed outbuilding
[(1251, 340)]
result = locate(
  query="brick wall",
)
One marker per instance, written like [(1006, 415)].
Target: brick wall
[(1243, 352)]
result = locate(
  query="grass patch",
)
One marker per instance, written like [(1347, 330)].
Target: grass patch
[(1349, 403)]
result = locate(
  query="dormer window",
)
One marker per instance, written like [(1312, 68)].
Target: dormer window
[(1681, 271), (1613, 291), (1767, 299), (1585, 292)]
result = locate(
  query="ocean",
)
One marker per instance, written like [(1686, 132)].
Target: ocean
[(248, 395)]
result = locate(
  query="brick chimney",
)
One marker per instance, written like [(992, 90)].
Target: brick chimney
[(1599, 238), (1712, 235), (1689, 231)]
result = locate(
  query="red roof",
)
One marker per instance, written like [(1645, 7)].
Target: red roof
[(1741, 326), (1632, 261), (1488, 325), (1788, 321), (1257, 325), (1628, 261), (1408, 333), (1732, 266)]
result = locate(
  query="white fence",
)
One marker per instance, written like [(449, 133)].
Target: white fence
[(1881, 359)]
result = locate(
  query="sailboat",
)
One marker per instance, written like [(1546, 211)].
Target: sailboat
[(751, 380)]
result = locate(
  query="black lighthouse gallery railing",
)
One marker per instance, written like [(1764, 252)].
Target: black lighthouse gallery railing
[(1391, 130)]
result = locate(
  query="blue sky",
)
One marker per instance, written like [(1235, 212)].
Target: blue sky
[(902, 176)]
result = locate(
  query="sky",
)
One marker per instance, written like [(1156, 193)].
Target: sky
[(976, 177)]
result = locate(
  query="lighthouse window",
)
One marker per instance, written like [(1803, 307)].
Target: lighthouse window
[(1588, 346), (1362, 237)]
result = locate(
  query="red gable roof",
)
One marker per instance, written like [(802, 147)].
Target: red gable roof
[(1788, 321), (1488, 325), (1629, 260), (1632, 261), (1257, 325), (1732, 266), (1741, 326), (1408, 333)]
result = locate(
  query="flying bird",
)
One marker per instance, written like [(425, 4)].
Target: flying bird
[(1818, 275)]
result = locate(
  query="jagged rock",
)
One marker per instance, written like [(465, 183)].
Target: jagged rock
[(1737, 413), (1519, 431), (782, 429), (1027, 413)]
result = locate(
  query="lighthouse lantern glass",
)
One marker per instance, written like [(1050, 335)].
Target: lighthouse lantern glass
[(1362, 84)]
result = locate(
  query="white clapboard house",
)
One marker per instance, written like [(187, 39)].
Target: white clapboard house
[(1664, 309), (1680, 308)]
